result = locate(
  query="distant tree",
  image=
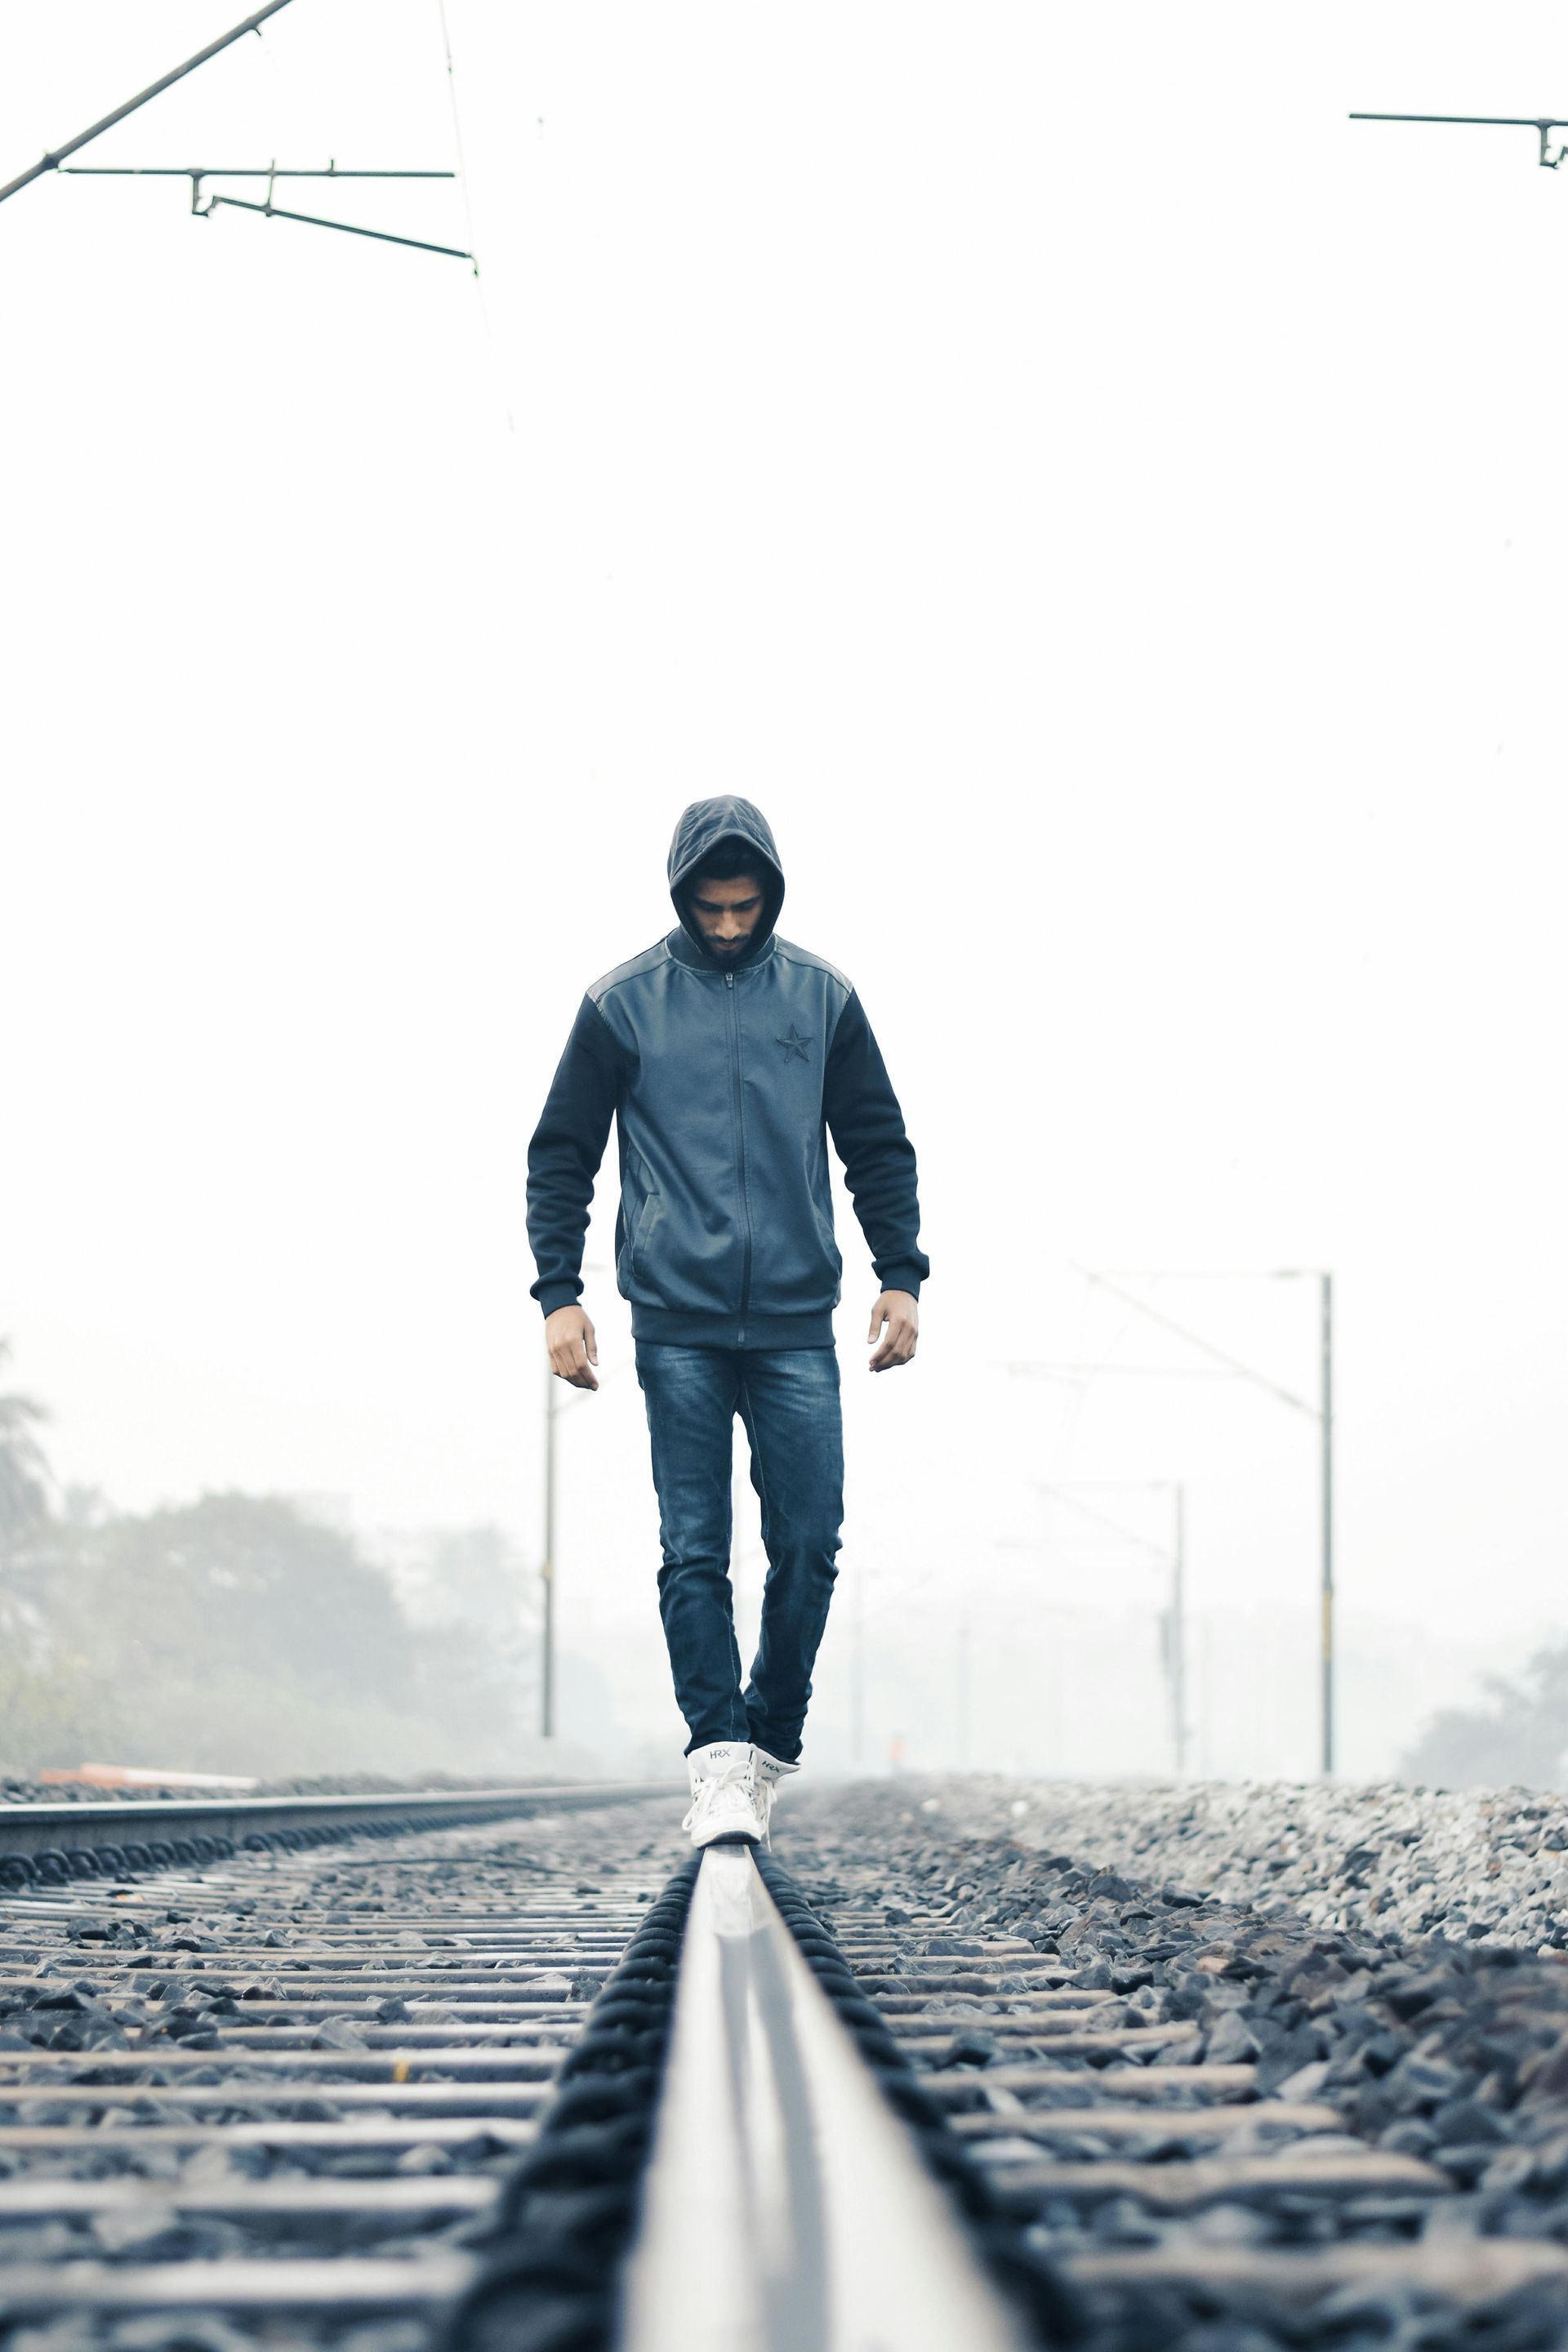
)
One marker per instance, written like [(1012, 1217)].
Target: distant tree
[(240, 1633), (1517, 1738), (24, 1471), (472, 1576), (475, 1600), (246, 1583)]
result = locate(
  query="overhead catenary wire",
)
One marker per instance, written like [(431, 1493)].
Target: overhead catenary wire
[(1160, 1552), (54, 157), (1076, 1376), (1233, 1364), (1321, 1413), (1069, 1423), (457, 130), (1080, 1375), (465, 189)]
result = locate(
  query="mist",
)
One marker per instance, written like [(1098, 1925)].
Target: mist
[(1101, 504)]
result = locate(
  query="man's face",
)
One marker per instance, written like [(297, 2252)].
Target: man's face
[(727, 913)]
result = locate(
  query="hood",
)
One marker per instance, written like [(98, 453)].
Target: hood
[(701, 828)]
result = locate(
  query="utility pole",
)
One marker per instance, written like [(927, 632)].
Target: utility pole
[(547, 1569), (961, 1698), (553, 1408), (1223, 1366), (1323, 1413), (1326, 1420), (857, 1670), (1179, 1634)]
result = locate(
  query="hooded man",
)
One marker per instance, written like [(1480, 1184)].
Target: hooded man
[(727, 1058)]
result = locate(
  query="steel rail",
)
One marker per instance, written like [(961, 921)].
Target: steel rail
[(27, 1829), (368, 2083), (785, 2204)]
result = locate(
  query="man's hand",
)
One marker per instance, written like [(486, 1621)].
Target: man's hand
[(900, 1312), (574, 1350)]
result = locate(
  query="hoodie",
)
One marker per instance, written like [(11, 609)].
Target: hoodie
[(725, 1081)]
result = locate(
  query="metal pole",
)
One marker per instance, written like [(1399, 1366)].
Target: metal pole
[(57, 155), (547, 1572), (1327, 1281), (239, 171), (1179, 1631), (857, 1667), (961, 1741), (1323, 1410)]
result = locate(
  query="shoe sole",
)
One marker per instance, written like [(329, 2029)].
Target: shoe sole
[(727, 1837)]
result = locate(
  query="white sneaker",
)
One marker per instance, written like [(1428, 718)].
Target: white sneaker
[(725, 1802), (770, 1771)]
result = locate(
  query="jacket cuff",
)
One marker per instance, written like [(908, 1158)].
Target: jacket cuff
[(900, 1277), (552, 1295)]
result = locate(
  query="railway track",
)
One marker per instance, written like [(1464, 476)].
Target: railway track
[(511, 2070)]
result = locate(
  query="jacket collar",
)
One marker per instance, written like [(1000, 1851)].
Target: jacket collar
[(685, 950)]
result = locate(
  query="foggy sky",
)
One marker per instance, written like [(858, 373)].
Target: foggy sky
[(1102, 505)]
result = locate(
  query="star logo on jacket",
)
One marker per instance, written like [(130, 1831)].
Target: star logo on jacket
[(795, 1046)]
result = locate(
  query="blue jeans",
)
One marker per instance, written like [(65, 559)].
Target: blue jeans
[(788, 1402)]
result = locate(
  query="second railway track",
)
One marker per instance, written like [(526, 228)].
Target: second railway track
[(543, 2084), (275, 2088)]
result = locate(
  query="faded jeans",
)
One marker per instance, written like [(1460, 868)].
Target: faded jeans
[(788, 1402)]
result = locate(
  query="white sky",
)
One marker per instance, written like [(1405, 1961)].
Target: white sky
[(1104, 507)]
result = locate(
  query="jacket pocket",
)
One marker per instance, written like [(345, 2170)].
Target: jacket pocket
[(641, 1226), (684, 1254), (639, 1208), (796, 1266)]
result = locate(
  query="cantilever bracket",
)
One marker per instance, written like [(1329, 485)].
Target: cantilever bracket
[(269, 210), (1545, 124)]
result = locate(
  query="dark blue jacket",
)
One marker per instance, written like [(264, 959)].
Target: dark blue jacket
[(725, 1084)]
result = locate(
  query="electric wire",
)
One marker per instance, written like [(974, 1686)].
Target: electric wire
[(457, 134), (1205, 1347), (1160, 1552), (56, 156), (466, 187)]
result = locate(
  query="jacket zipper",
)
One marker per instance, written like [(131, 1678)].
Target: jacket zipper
[(740, 1152)]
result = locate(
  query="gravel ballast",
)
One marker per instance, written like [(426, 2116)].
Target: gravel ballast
[(1441, 2057), (1468, 1864)]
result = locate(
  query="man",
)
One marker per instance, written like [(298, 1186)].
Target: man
[(727, 1057)]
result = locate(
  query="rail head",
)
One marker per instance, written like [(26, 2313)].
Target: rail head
[(785, 2206)]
